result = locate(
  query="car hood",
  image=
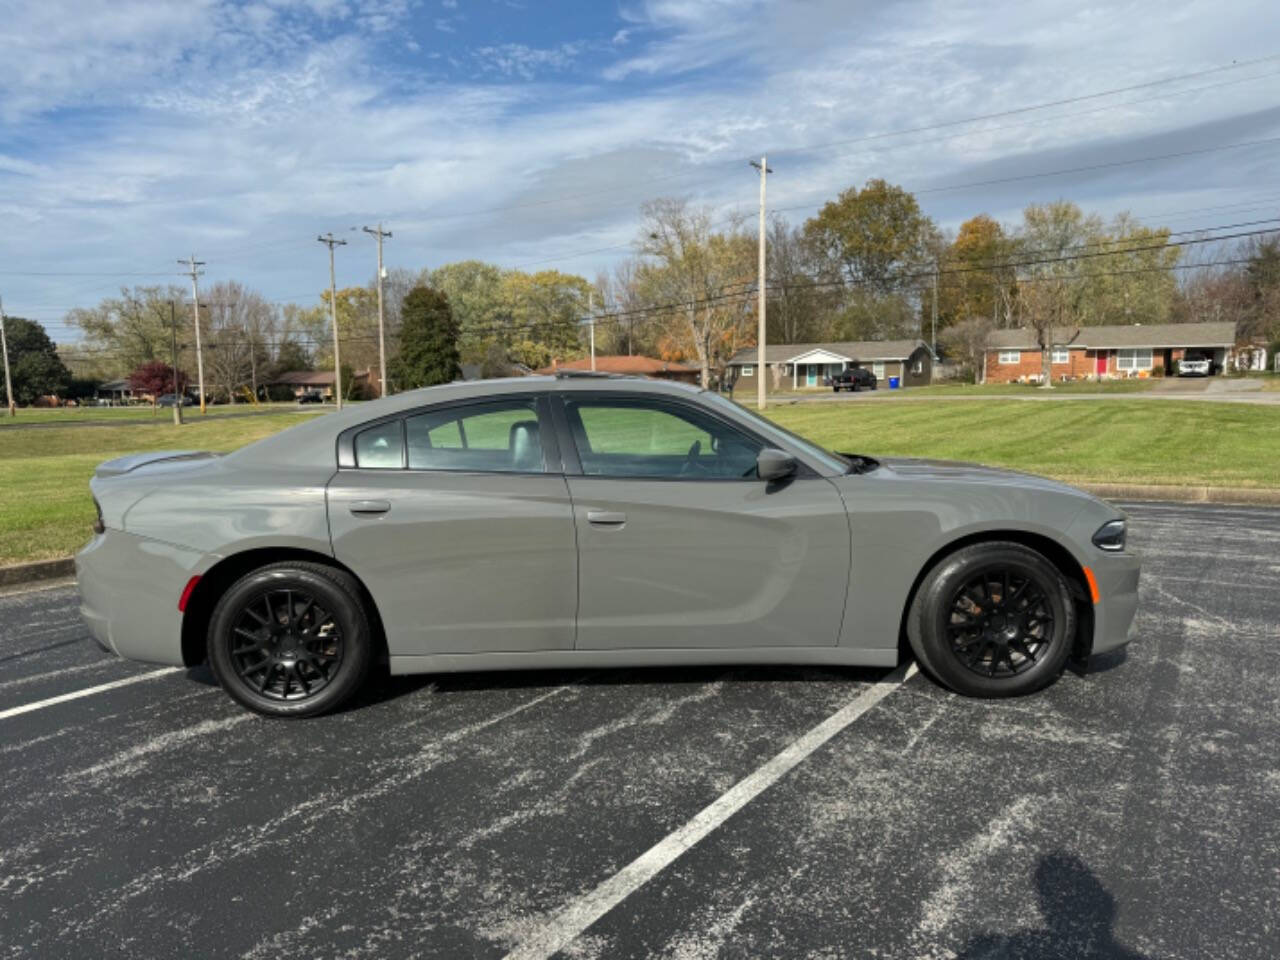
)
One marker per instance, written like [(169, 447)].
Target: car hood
[(957, 470)]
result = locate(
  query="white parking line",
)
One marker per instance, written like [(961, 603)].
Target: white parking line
[(86, 692), (567, 925)]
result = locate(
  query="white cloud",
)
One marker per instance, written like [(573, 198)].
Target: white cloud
[(241, 131), (517, 60)]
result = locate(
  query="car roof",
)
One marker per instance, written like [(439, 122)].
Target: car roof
[(312, 442)]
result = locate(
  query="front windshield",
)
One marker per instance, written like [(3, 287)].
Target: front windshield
[(832, 461)]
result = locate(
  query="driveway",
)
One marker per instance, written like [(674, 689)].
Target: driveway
[(735, 812)]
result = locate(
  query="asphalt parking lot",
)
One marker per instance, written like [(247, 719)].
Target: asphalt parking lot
[(1133, 812)]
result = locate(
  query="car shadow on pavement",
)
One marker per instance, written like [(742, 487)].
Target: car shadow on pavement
[(1078, 912)]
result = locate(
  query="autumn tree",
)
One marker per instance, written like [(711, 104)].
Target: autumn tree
[(241, 324), (877, 238), (698, 276), (156, 378), (428, 340), (134, 327)]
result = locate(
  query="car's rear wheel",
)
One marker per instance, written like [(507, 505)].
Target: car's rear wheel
[(993, 620), (291, 639)]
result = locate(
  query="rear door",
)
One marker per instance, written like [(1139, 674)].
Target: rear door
[(457, 519), (680, 545)]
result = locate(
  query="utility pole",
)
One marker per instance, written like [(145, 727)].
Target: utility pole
[(933, 338), (591, 310), (763, 167), (194, 266), (173, 347), (332, 242), (8, 382), (382, 340)]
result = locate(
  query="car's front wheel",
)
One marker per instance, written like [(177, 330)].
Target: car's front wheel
[(291, 639), (993, 620)]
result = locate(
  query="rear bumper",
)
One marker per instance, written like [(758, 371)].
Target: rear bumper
[(129, 590)]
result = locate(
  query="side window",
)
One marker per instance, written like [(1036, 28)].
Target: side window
[(381, 447), (500, 437), (628, 438)]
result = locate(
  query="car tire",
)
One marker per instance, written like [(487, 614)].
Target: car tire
[(291, 639), (993, 620)]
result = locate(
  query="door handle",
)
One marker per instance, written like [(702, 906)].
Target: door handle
[(369, 508), (606, 518)]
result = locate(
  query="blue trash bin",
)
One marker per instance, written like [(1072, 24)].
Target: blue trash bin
[(893, 383)]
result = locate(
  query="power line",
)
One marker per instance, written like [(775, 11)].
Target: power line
[(1031, 107)]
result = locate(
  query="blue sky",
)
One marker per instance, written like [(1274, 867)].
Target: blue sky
[(527, 133)]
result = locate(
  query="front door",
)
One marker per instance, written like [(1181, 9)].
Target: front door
[(457, 519), (1101, 363), (811, 375), (680, 545)]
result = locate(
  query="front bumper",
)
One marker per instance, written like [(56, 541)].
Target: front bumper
[(129, 590), (1117, 578)]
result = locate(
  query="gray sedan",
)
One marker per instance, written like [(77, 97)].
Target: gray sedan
[(585, 521)]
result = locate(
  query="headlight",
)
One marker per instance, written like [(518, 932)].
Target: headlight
[(1110, 536)]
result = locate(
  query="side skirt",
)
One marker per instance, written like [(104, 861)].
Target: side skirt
[(659, 657)]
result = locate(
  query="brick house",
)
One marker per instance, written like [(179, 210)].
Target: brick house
[(320, 381), (809, 366), (1110, 352)]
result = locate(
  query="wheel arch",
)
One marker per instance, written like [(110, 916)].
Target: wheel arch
[(1062, 558), (214, 582)]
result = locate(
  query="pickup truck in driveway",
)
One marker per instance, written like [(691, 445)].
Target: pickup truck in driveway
[(854, 379)]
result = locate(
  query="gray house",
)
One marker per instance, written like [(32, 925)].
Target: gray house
[(809, 366)]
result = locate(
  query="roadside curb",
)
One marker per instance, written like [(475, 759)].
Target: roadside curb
[(1154, 491), (40, 570)]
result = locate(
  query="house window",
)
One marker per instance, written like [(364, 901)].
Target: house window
[(1133, 359), (748, 371), (1061, 355), (878, 370), (918, 367), (1010, 356)]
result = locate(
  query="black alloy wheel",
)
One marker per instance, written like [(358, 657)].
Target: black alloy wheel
[(291, 639), (286, 645), (1000, 622), (993, 620)]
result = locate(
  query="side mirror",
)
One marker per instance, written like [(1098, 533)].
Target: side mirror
[(773, 464)]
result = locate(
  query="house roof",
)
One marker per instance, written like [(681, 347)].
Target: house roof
[(1155, 335), (312, 378), (861, 350), (638, 365)]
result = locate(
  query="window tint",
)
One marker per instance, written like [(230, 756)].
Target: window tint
[(490, 437), (380, 447), (624, 438)]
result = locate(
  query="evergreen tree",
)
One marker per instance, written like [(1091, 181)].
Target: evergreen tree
[(37, 370), (428, 340)]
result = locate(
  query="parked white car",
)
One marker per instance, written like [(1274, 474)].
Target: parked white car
[(1194, 367)]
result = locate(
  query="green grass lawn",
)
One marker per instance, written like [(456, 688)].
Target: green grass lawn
[(1139, 441), (45, 509), (1027, 389), (141, 414)]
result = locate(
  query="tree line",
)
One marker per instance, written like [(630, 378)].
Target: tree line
[(869, 265)]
